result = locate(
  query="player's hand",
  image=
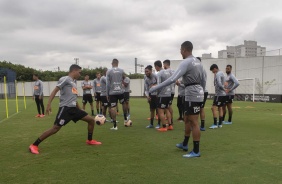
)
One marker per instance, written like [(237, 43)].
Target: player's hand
[(149, 99), (48, 109), (152, 89), (227, 91), (177, 83), (40, 97)]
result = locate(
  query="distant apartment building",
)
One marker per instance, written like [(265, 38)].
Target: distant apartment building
[(249, 49), (207, 56)]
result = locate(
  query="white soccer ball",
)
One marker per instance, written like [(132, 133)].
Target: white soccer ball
[(100, 119), (128, 123)]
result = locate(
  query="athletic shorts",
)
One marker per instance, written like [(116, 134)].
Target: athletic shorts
[(205, 99), (87, 98), (153, 102), (66, 114), (105, 102), (192, 108), (126, 96), (180, 102), (229, 99), (171, 99), (163, 102), (98, 97), (115, 98), (219, 101)]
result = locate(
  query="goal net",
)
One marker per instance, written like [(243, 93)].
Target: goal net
[(246, 90)]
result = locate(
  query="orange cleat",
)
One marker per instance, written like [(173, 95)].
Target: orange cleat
[(93, 142), (170, 127), (33, 149), (37, 116), (162, 129)]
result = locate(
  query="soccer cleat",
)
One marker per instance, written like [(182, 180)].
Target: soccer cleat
[(191, 155), (33, 149), (202, 129), (42, 116), (114, 128), (162, 129), (170, 127), (158, 126), (219, 126), (150, 126), (180, 146), (227, 123), (37, 116), (213, 127), (93, 142)]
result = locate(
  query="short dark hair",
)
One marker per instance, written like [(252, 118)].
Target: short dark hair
[(158, 63), (74, 67), (86, 75), (35, 74), (187, 45), (213, 66), (199, 59), (149, 67), (229, 66), (167, 61), (115, 61), (105, 71)]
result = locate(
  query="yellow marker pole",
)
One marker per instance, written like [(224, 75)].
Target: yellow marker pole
[(17, 103), (6, 98), (24, 96)]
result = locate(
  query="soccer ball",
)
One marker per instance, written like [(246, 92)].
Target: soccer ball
[(100, 119), (128, 123)]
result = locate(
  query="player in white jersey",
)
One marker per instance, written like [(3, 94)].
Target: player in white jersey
[(68, 109), (97, 92), (191, 71), (126, 85), (87, 96), (38, 96), (231, 84), (220, 96)]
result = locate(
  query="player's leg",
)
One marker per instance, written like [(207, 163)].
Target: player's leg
[(113, 110), (170, 108), (90, 131), (37, 105), (168, 116), (221, 103), (214, 109), (84, 101), (90, 100), (180, 108), (162, 108), (230, 112), (202, 112), (42, 107), (124, 108), (162, 119)]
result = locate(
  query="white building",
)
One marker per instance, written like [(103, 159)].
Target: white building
[(249, 49), (207, 56)]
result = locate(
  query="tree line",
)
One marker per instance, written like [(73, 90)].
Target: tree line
[(25, 73)]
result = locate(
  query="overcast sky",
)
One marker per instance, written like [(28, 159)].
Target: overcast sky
[(46, 34)]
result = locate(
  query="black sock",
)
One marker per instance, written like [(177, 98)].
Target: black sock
[(125, 116), (89, 136), (215, 121), (164, 126), (185, 141), (152, 121), (159, 121), (223, 118), (220, 121), (230, 118), (202, 123), (196, 148), (37, 142), (171, 122), (115, 123), (101, 111), (92, 111), (97, 111), (180, 114)]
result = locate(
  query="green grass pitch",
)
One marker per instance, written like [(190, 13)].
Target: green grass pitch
[(249, 151)]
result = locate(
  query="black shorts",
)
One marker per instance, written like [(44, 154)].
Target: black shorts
[(98, 97), (205, 99), (229, 99), (219, 101), (115, 98), (66, 114), (87, 98), (153, 102), (171, 99), (192, 108), (105, 102), (126, 96), (180, 102), (163, 102)]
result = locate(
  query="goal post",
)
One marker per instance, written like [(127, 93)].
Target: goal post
[(246, 90)]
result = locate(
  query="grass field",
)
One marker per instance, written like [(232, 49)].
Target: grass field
[(249, 151)]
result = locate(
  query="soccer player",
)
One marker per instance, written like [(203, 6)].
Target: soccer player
[(115, 91), (38, 96), (151, 80), (191, 71), (97, 92), (166, 64), (231, 84), (180, 99), (220, 96), (104, 99), (164, 97), (202, 110), (68, 109), (126, 85), (87, 96)]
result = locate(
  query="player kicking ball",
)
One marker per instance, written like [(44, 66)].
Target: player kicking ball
[(68, 109)]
